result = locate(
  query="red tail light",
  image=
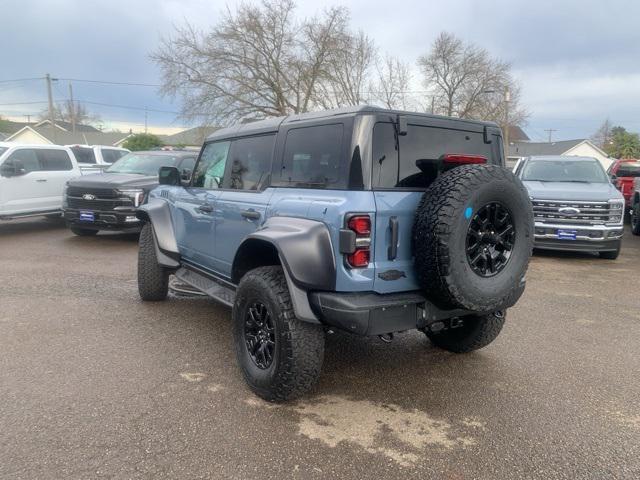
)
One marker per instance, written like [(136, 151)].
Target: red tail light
[(361, 224), (357, 241), (463, 159), (359, 258)]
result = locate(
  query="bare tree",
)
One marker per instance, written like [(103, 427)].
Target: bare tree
[(67, 111), (260, 61), (604, 135), (467, 82), (347, 72), (392, 85)]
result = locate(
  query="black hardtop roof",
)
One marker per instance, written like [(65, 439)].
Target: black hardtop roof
[(272, 124)]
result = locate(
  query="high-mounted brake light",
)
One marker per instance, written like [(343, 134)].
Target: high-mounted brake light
[(361, 224), (463, 159)]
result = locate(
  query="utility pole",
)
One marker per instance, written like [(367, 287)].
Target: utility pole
[(50, 96), (73, 109), (507, 100), (28, 118), (433, 104), (145, 119), (550, 130)]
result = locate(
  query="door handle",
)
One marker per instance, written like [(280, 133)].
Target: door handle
[(206, 208), (250, 214), (40, 180), (392, 252)]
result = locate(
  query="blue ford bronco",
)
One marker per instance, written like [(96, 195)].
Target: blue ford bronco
[(365, 220)]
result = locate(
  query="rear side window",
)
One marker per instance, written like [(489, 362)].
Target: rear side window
[(84, 154), (628, 170), (110, 155), (312, 157), (398, 168), (54, 160), (249, 162)]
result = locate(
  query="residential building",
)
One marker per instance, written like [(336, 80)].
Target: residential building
[(579, 147)]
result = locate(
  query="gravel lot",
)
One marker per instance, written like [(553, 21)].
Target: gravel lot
[(94, 383)]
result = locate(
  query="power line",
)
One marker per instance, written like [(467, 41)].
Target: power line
[(106, 82), (21, 103), (16, 80)]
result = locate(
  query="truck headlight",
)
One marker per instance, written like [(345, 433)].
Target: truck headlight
[(135, 194)]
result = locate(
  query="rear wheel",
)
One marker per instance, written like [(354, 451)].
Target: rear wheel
[(280, 356), (153, 279), (475, 332), (83, 232)]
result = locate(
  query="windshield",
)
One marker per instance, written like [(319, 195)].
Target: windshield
[(624, 170), (584, 171), (142, 164)]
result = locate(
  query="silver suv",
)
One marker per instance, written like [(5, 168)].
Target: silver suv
[(575, 206)]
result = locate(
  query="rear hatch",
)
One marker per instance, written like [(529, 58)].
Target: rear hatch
[(399, 184)]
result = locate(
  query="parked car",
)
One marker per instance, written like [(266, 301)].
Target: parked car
[(635, 207), (94, 158), (32, 178), (575, 205), (108, 201), (365, 220), (623, 173)]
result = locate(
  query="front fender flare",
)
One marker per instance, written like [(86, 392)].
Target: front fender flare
[(157, 212)]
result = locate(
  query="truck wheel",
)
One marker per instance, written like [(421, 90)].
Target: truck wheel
[(153, 279), (280, 356), (83, 232), (476, 331), (635, 219), (611, 255), (472, 237)]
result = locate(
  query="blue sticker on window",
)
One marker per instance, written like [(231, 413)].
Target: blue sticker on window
[(467, 213)]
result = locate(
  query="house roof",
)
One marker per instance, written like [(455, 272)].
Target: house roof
[(67, 126), (11, 127), (528, 149), (62, 137), (191, 137), (516, 134)]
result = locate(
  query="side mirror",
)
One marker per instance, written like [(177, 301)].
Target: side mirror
[(169, 176), (12, 168)]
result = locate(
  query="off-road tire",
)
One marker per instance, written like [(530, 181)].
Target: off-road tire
[(477, 331), (153, 279), (611, 255), (299, 346), (440, 238), (83, 232), (635, 219)]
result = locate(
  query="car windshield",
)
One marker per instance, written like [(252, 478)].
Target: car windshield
[(142, 163), (583, 171), (628, 169)]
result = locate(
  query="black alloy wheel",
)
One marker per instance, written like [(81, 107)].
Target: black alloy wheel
[(259, 335), (490, 239)]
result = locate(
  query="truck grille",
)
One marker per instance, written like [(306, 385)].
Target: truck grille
[(104, 199), (574, 213)]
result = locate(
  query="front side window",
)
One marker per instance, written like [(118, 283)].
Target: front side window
[(250, 162), (312, 157), (55, 160), (561, 170), (210, 168), (188, 163), (26, 158)]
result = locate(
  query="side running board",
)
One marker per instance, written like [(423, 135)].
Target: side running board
[(217, 289)]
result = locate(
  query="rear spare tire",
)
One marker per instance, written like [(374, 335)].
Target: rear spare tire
[(473, 236)]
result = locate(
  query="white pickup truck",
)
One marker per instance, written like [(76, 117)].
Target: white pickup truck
[(32, 179), (95, 158)]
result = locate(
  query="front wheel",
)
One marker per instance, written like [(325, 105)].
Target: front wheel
[(153, 279), (475, 332), (635, 219), (280, 356)]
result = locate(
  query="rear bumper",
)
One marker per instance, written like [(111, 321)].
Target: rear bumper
[(122, 220), (370, 313), (589, 238)]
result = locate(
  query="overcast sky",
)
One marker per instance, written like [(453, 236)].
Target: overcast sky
[(578, 61)]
